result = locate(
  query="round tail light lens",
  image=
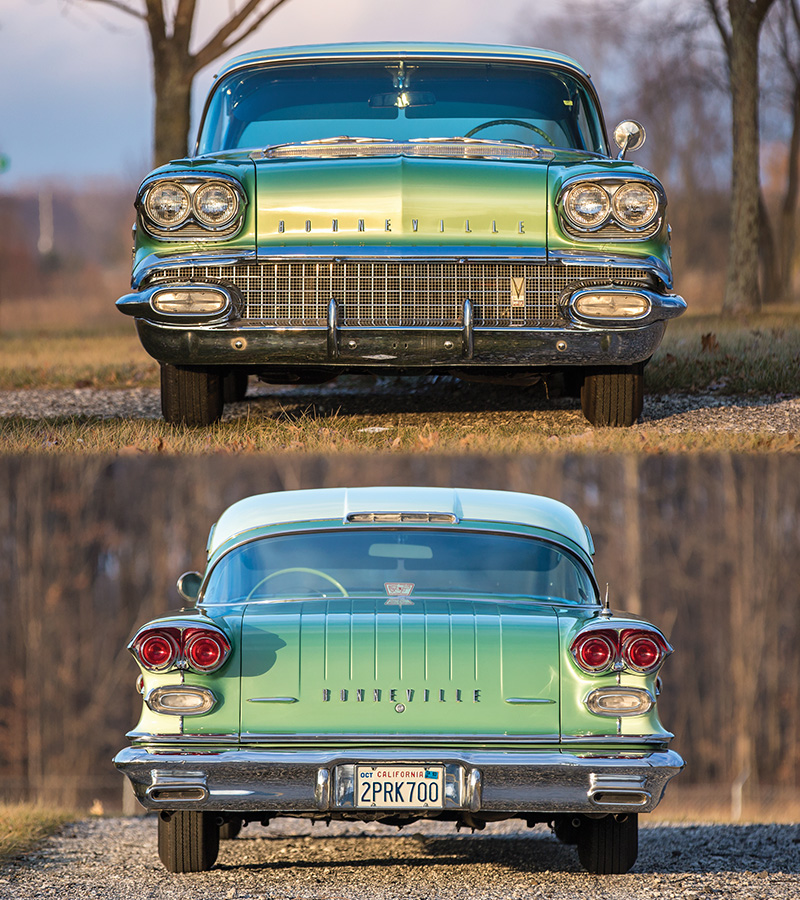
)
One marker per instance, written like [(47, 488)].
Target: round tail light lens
[(642, 653), (594, 652), (206, 651), (157, 651)]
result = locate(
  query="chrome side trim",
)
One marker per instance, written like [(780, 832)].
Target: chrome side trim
[(516, 700), (272, 699)]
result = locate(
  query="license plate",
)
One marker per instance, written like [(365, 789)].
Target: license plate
[(406, 787)]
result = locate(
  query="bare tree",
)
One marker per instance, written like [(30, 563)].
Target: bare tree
[(740, 30), (784, 33), (175, 65)]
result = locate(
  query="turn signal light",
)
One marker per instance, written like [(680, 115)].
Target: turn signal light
[(165, 647)]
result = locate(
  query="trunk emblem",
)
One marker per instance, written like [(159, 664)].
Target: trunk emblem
[(398, 593)]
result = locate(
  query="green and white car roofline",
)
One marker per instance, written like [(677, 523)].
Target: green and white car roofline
[(337, 504)]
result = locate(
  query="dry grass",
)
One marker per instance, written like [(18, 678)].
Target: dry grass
[(23, 825), (356, 435), (759, 355)]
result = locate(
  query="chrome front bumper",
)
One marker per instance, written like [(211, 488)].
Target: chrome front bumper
[(307, 781), (390, 348)]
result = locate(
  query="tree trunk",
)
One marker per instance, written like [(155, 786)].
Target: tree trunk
[(172, 76), (742, 291), (787, 227)]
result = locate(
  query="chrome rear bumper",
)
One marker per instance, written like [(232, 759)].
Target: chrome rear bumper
[(289, 782)]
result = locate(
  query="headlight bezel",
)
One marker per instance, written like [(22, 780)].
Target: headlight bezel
[(614, 226), (193, 225)]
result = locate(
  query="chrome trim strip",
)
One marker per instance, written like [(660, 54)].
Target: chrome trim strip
[(527, 700), (272, 699)]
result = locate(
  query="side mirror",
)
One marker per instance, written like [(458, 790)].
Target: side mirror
[(189, 586), (629, 135)]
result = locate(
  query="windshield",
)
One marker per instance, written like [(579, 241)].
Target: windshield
[(401, 101), (399, 565)]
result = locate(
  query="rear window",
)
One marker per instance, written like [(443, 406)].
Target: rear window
[(398, 562)]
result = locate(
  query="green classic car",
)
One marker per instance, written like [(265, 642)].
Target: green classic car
[(392, 654), (402, 209)]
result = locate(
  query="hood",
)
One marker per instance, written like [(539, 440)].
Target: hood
[(401, 201), (353, 666)]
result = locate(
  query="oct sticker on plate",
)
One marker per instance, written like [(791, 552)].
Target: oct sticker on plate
[(407, 787)]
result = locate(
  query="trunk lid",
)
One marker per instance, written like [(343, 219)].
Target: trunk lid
[(353, 666)]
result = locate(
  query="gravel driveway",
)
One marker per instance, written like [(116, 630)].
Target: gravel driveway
[(445, 398), (116, 858)]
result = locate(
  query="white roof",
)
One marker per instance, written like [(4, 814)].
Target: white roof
[(338, 503)]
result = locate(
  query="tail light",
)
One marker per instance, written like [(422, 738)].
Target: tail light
[(600, 650), (160, 648), (595, 651), (644, 651), (206, 651)]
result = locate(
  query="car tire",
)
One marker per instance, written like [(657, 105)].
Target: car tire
[(230, 829), (188, 841), (234, 386), (190, 396), (613, 397), (609, 846)]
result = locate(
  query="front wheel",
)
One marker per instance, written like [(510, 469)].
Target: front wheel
[(188, 841), (613, 396), (608, 846), (190, 396)]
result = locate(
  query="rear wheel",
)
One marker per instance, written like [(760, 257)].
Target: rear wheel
[(190, 396), (188, 841), (609, 846), (613, 396)]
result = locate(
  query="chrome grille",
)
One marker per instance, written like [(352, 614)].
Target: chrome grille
[(402, 294)]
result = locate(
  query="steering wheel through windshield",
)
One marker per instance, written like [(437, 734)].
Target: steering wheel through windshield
[(519, 122), (304, 570)]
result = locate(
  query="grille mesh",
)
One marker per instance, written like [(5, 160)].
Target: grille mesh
[(402, 294)]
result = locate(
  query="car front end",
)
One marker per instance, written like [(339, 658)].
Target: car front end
[(427, 209)]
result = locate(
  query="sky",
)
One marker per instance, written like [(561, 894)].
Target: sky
[(77, 100)]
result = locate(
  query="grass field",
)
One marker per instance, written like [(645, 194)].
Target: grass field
[(23, 825)]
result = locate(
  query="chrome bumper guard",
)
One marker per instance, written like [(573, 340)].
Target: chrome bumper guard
[(323, 781)]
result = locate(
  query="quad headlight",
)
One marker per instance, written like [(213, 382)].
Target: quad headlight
[(635, 205), (168, 204), (215, 204), (594, 206), (587, 205), (191, 207)]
